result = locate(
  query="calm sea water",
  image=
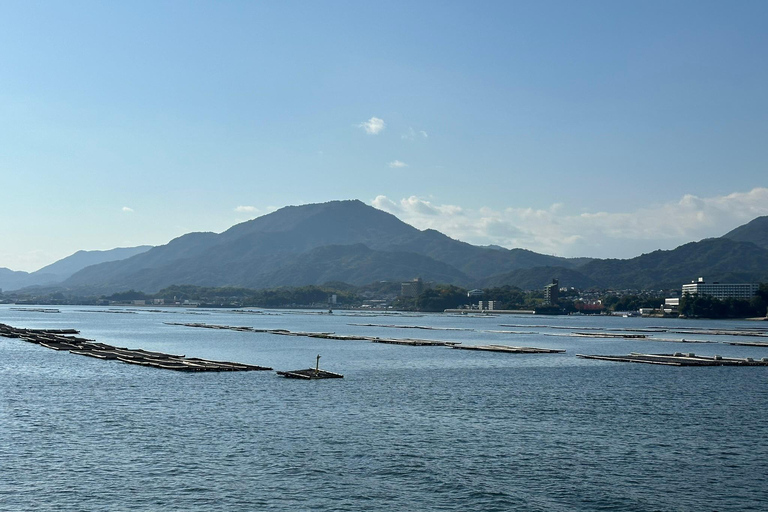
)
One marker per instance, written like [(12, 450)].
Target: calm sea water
[(408, 428)]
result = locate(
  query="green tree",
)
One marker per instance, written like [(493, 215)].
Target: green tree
[(442, 297)]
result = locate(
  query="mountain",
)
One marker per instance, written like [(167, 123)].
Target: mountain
[(716, 259), (737, 257), (537, 277), (15, 279), (755, 231), (64, 268), (340, 240), (357, 265), (351, 242)]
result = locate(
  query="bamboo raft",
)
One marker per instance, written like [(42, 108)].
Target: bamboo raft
[(53, 339), (510, 350), (412, 342), (37, 310), (311, 373), (680, 359), (608, 335), (749, 343)]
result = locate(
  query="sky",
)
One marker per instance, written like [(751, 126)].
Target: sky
[(591, 128)]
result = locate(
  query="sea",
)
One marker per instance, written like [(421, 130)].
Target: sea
[(408, 428)]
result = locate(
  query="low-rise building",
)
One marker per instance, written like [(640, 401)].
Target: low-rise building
[(671, 305)]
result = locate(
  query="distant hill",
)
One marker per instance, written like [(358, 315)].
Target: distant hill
[(348, 241), (16, 279), (716, 259), (64, 268), (362, 244), (755, 231), (737, 257), (538, 277)]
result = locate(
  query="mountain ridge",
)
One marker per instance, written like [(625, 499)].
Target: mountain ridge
[(62, 269), (248, 253), (349, 241), (755, 231)]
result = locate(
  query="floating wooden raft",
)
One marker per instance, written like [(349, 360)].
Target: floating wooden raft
[(325, 335), (83, 347), (412, 342), (310, 373), (749, 343), (511, 350), (607, 335), (37, 310), (680, 359)]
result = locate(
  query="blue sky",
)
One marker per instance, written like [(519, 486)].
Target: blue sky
[(574, 128)]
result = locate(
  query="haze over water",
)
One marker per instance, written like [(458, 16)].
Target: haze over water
[(408, 428)]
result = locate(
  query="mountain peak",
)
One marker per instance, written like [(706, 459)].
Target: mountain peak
[(341, 215), (755, 231)]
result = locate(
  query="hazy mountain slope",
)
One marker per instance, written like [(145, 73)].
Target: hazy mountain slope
[(354, 222), (715, 259), (348, 240), (478, 262), (538, 277), (181, 248), (755, 231), (65, 267), (15, 279), (258, 250), (358, 265)]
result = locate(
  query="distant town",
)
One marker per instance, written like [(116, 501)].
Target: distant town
[(697, 299)]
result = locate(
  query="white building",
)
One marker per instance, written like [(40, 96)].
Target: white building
[(720, 291)]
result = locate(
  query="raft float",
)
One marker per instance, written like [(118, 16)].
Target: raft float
[(680, 359), (56, 340)]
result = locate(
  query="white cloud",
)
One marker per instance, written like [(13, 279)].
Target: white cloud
[(397, 164), (412, 134), (127, 210), (246, 209), (373, 126), (554, 230)]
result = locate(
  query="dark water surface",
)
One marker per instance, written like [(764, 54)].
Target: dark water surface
[(408, 428)]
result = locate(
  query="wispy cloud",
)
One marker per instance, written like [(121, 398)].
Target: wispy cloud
[(127, 209), (554, 230), (246, 209), (411, 134), (397, 164), (373, 126)]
